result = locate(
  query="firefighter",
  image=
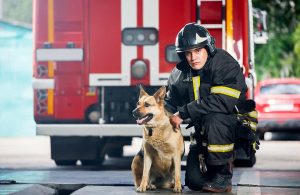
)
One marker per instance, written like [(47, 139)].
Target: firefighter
[(203, 90)]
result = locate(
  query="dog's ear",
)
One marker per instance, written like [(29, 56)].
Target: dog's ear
[(160, 94), (142, 92)]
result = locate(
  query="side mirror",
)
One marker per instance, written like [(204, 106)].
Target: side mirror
[(260, 28)]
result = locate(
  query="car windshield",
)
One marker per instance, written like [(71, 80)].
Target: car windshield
[(280, 89)]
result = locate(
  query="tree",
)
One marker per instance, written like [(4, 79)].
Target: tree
[(17, 10), (296, 41), (279, 58)]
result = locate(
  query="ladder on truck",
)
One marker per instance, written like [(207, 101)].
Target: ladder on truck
[(213, 18)]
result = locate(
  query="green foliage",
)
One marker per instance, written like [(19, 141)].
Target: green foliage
[(18, 10), (296, 41), (280, 57)]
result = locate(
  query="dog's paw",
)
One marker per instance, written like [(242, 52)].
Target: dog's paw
[(151, 187), (177, 189), (141, 189)]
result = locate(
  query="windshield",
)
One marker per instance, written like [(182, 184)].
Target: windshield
[(280, 89)]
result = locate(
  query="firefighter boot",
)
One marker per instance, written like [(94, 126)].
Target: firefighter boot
[(221, 181), (194, 178)]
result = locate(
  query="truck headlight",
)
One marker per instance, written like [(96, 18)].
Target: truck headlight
[(138, 69)]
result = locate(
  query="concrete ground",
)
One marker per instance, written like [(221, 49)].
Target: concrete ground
[(26, 168)]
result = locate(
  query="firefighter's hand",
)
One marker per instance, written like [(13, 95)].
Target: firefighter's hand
[(175, 120)]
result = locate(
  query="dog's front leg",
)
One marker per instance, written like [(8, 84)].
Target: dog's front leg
[(146, 170), (177, 185)]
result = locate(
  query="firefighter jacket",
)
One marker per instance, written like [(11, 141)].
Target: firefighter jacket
[(215, 88)]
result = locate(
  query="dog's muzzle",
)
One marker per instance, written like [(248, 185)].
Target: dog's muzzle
[(141, 119)]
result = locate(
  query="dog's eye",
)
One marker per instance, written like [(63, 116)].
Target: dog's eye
[(147, 104)]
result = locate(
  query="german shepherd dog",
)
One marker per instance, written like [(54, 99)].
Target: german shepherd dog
[(158, 164)]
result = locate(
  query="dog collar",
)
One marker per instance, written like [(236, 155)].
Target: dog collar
[(149, 129)]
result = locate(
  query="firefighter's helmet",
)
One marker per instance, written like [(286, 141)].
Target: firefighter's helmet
[(193, 36)]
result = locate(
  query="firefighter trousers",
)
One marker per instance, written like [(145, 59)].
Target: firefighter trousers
[(216, 133)]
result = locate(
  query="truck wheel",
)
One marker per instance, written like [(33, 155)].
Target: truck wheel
[(95, 162), (88, 162), (67, 150), (65, 162), (116, 152)]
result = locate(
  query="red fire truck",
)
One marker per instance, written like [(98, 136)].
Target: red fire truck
[(89, 57)]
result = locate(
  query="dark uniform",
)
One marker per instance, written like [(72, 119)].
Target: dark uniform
[(207, 98)]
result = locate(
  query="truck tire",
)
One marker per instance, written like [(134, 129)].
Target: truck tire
[(96, 162), (115, 152), (67, 150), (65, 162)]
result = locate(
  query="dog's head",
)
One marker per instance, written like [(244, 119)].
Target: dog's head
[(150, 109)]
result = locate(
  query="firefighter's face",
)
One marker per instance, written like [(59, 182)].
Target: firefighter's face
[(196, 58)]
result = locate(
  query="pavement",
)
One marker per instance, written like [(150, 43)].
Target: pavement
[(83, 182), (26, 168)]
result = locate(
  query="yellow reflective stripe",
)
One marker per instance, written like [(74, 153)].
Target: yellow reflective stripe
[(220, 148), (253, 146), (196, 86), (226, 91), (50, 69), (253, 126), (50, 21), (229, 26), (50, 101), (253, 114)]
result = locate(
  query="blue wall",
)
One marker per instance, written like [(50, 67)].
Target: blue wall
[(16, 94)]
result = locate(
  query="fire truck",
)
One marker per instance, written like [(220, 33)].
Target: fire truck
[(90, 56)]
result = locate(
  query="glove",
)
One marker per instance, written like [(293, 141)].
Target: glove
[(247, 131), (254, 141), (247, 138)]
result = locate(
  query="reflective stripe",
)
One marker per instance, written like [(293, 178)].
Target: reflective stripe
[(253, 114), (220, 148), (51, 69), (254, 146), (253, 126), (50, 101), (196, 86), (50, 21), (226, 91), (128, 19)]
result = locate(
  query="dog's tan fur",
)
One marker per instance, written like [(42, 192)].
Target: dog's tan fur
[(162, 148)]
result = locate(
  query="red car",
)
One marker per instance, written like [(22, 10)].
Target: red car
[(278, 104)]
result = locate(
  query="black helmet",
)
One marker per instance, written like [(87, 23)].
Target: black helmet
[(192, 36)]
